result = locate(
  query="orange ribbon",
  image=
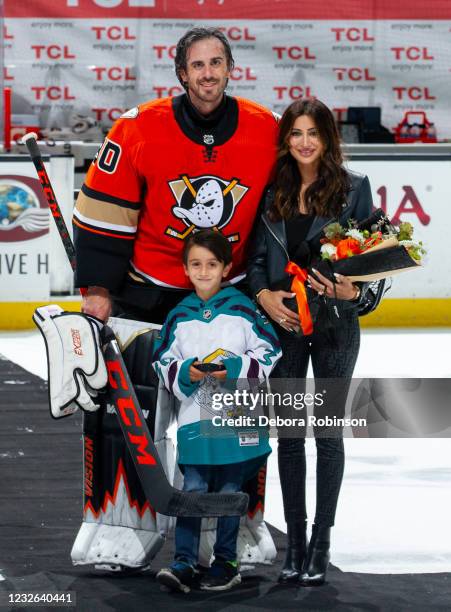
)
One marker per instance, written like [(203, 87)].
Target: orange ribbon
[(298, 288)]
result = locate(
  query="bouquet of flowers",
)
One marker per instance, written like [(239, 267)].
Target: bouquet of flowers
[(370, 250)]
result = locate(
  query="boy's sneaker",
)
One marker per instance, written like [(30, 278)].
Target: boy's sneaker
[(221, 576), (178, 577)]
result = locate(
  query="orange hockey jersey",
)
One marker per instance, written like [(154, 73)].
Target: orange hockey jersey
[(160, 176)]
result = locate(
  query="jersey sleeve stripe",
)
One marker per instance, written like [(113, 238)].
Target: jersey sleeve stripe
[(96, 231), (105, 216), (106, 197)]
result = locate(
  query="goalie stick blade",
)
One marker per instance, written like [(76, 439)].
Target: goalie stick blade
[(162, 496)]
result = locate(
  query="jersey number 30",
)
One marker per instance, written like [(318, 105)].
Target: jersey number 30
[(108, 156)]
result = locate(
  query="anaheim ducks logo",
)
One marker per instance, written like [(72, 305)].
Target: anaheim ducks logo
[(204, 202)]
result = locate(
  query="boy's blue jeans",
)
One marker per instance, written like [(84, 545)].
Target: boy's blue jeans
[(219, 479)]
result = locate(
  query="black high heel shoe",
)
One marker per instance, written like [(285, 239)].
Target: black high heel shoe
[(318, 557), (296, 552)]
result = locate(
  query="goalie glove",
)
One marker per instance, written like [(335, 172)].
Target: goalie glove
[(74, 357)]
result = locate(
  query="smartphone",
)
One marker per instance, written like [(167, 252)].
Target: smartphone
[(209, 367)]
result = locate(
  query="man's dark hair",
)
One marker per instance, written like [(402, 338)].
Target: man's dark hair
[(194, 35), (215, 242)]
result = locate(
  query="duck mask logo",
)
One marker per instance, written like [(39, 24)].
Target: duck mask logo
[(204, 202)]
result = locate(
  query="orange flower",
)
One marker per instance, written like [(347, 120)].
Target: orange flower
[(347, 248)]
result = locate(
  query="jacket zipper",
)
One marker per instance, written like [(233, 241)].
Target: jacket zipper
[(277, 239)]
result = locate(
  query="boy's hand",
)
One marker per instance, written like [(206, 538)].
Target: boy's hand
[(219, 374), (196, 375)]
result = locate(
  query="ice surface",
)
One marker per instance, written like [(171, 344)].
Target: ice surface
[(395, 503)]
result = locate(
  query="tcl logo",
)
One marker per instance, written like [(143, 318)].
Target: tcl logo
[(6, 75), (163, 51), (293, 93), (162, 92), (112, 114), (412, 53), (52, 93), (52, 52), (352, 34), (235, 33), (7, 34), (115, 73), (112, 33), (413, 93), (294, 53), (353, 74), (242, 74), (410, 204)]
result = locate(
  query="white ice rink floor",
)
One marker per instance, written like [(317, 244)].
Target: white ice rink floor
[(395, 505)]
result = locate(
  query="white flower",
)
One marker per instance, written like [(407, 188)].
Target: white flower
[(356, 234), (328, 250)]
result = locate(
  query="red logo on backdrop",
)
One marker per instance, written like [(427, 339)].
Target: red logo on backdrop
[(235, 33), (163, 51), (353, 74), (242, 74), (52, 52), (6, 75), (52, 93), (6, 34), (413, 93), (412, 53), (115, 73), (294, 53), (108, 113), (24, 213), (113, 33), (410, 204), (293, 93), (163, 92), (352, 34)]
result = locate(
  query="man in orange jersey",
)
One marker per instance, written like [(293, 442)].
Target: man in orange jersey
[(168, 168)]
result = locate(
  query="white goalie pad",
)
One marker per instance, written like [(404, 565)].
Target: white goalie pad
[(254, 545), (120, 536), (75, 362)]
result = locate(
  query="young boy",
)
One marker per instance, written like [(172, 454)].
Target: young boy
[(221, 326)]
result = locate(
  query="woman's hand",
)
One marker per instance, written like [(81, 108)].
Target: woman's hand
[(272, 302), (196, 375), (344, 288)]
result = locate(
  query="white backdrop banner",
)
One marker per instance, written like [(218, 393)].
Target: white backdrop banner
[(101, 57)]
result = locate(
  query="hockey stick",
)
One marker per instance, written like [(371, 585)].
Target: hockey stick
[(163, 497)]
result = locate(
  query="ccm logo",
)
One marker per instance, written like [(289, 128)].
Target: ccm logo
[(112, 33), (354, 74), (76, 342), (52, 93), (352, 34), (413, 93), (129, 414), (115, 73), (293, 93), (412, 53), (294, 53), (52, 52)]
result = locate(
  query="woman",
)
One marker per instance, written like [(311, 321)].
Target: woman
[(311, 189)]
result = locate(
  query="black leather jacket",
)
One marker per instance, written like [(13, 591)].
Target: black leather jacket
[(268, 254)]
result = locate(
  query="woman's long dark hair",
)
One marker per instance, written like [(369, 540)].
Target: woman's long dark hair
[(326, 195)]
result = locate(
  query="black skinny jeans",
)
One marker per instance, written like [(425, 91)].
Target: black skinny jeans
[(328, 361)]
